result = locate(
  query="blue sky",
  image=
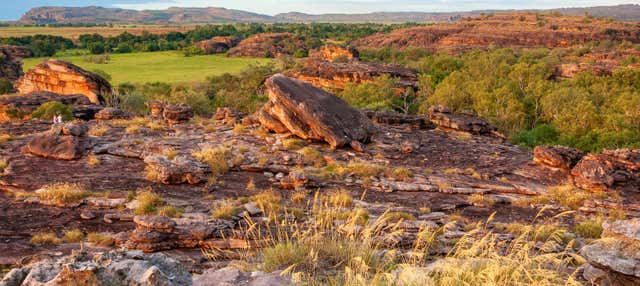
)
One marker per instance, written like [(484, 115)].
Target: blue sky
[(13, 9)]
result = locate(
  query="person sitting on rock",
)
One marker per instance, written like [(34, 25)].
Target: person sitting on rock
[(59, 118)]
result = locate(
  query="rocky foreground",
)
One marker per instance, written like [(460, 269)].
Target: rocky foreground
[(186, 195)]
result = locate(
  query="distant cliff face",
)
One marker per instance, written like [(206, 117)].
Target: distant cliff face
[(92, 14), (515, 30)]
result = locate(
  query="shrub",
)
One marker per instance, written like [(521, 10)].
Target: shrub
[(50, 109), (377, 95), (93, 160), (45, 238), (215, 157), (75, 235), (293, 143), (312, 156), (589, 229), (63, 193), (5, 86), (148, 202), (102, 74)]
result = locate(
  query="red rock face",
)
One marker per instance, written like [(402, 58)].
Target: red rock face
[(217, 45), (611, 169), (600, 63), (504, 30), (66, 79), (332, 52), (336, 76), (268, 45)]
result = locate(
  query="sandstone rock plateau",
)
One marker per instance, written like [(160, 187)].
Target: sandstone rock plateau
[(332, 53), (268, 45), (21, 106), (66, 79), (311, 113), (217, 45), (504, 30), (336, 75), (10, 61)]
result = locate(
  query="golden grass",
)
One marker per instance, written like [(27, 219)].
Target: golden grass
[(101, 239), (4, 138), (3, 164), (340, 199), (215, 157), (564, 195), (148, 203), (74, 235), (312, 156), (63, 193), (402, 174), (45, 238), (98, 130), (251, 185), (93, 160), (170, 153), (238, 129), (293, 143), (299, 197), (170, 211), (225, 211), (589, 229)]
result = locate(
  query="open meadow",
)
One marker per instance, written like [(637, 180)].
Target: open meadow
[(169, 66)]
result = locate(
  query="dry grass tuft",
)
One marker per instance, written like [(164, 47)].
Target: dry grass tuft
[(75, 235), (93, 160), (101, 239), (46, 238), (98, 130), (216, 158), (63, 193), (293, 143), (148, 203)]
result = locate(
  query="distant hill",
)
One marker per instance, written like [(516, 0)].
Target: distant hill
[(100, 15)]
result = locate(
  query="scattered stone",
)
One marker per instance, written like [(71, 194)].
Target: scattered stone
[(110, 113), (105, 202), (52, 145), (155, 222), (557, 156), (394, 118), (76, 129), (87, 215), (252, 208), (66, 79), (311, 113)]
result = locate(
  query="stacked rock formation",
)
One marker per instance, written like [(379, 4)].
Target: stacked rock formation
[(111, 113), (217, 45), (442, 117), (312, 113), (175, 113), (66, 79), (62, 142), (557, 156), (181, 169), (10, 61), (611, 168)]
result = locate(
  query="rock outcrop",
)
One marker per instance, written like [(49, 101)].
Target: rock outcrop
[(66, 79), (557, 156), (332, 53), (336, 75), (102, 269), (268, 45), (11, 61), (612, 168), (442, 117), (62, 142), (181, 169), (110, 113), (234, 276), (21, 106), (156, 233), (312, 113), (617, 253), (217, 45), (175, 113)]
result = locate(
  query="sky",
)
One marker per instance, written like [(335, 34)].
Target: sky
[(13, 9)]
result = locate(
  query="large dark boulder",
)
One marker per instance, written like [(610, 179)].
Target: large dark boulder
[(442, 117), (62, 142), (312, 113), (10, 61)]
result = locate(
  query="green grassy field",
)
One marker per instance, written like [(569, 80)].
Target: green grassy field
[(169, 67)]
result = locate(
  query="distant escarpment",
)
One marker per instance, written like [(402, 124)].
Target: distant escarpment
[(517, 30)]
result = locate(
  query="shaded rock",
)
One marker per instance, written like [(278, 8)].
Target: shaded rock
[(75, 129), (66, 79), (267, 45), (110, 268), (332, 52), (156, 107), (610, 169), (217, 45), (21, 106), (268, 121), (54, 146), (181, 169), (110, 113), (557, 156), (175, 113), (311, 113), (336, 75), (394, 118), (10, 61), (155, 222), (442, 117)]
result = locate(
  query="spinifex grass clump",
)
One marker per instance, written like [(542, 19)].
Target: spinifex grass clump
[(63, 193)]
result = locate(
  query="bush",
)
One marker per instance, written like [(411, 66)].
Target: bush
[(5, 86), (50, 109), (377, 95), (543, 134)]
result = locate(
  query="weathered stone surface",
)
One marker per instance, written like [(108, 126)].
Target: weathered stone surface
[(311, 113), (110, 113), (181, 169), (331, 53), (232, 276), (10, 61), (610, 169), (66, 79), (217, 45), (175, 113), (557, 156), (102, 269), (228, 114), (155, 222), (156, 107), (628, 229), (336, 75), (21, 106), (52, 144), (394, 118), (442, 117), (267, 45), (76, 129)]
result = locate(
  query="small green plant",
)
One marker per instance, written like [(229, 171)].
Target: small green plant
[(293, 143), (312, 156), (148, 202), (50, 109), (402, 174), (225, 211), (589, 229)]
